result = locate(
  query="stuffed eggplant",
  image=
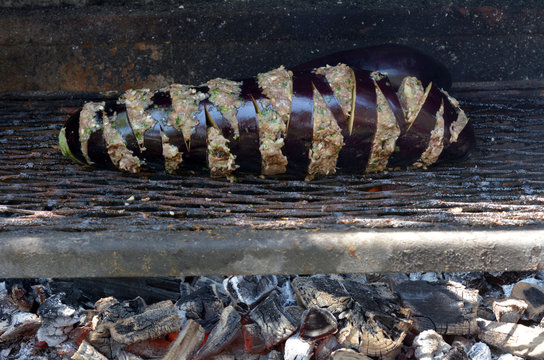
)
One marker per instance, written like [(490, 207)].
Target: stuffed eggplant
[(303, 123)]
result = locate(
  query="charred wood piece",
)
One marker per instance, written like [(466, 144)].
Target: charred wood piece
[(203, 305), (533, 295), (509, 310), (187, 343), (57, 320), (275, 325), (253, 339), (224, 332), (317, 324), (321, 292), (448, 308), (157, 320), (87, 352), (247, 291), (517, 339)]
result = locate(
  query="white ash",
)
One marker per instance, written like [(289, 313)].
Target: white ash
[(298, 349), (58, 320), (430, 345)]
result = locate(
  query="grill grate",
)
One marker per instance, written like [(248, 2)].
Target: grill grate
[(501, 184)]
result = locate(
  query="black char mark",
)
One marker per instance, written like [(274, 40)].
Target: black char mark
[(298, 139)]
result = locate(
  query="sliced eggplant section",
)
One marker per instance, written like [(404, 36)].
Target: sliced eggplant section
[(354, 155), (298, 139), (185, 107), (172, 155), (70, 133), (341, 79), (411, 95), (97, 148), (246, 149), (136, 102), (436, 142), (387, 131), (221, 161), (322, 85), (394, 104), (461, 120), (118, 151), (413, 143), (327, 139)]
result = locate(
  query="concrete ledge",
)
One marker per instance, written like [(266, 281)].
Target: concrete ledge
[(119, 254)]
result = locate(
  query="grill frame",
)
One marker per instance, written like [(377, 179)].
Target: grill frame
[(394, 222)]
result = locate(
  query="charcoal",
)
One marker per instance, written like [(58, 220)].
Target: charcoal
[(253, 339), (57, 320), (294, 313), (108, 311), (375, 324), (90, 290), (223, 333), (203, 305), (317, 323), (297, 348), (187, 342), (156, 320), (326, 347), (274, 323), (246, 291), (447, 308), (322, 292), (533, 295), (87, 352), (21, 324), (509, 310), (456, 352)]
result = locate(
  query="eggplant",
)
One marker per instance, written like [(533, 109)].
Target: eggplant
[(397, 61), (357, 127)]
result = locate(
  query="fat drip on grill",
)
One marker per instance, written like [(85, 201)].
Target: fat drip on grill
[(303, 124)]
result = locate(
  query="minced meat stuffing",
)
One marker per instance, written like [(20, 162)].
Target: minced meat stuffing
[(271, 130), (327, 139), (220, 160), (88, 125), (411, 96), (341, 79), (185, 104), (277, 85), (273, 119), (119, 154), (459, 124), (225, 94), (172, 155), (436, 142), (137, 101), (387, 132)]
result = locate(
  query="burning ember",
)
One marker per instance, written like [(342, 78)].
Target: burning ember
[(429, 316)]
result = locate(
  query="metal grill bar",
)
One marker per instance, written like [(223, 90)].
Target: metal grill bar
[(500, 186)]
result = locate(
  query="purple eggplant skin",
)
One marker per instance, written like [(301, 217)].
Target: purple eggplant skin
[(398, 61)]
